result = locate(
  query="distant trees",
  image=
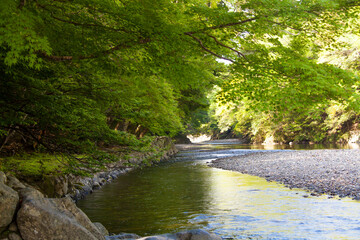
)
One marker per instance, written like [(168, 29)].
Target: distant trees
[(295, 83)]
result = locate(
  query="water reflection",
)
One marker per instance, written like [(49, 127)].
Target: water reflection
[(269, 211), (151, 200), (186, 194)]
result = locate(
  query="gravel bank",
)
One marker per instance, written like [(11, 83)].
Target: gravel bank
[(334, 172)]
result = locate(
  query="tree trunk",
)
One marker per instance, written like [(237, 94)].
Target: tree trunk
[(126, 125), (143, 132)]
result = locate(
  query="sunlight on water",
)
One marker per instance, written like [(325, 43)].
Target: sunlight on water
[(268, 210), (186, 194)]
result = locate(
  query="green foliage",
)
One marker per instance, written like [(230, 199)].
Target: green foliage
[(284, 85), (36, 165), (331, 124), (17, 33), (72, 72), (79, 76)]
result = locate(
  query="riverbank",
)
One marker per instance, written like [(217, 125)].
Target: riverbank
[(333, 172), (22, 202), (53, 176)]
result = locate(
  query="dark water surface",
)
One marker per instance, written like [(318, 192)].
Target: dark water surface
[(186, 194)]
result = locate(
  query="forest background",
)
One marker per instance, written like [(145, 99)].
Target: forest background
[(82, 76)]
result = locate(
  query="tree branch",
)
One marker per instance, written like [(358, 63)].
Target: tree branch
[(223, 25), (206, 49), (94, 55), (89, 25), (283, 25), (223, 45), (80, 24)]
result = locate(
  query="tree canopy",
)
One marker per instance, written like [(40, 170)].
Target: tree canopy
[(80, 74)]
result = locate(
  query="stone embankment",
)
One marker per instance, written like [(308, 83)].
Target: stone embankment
[(30, 212), (26, 214), (77, 187), (333, 172)]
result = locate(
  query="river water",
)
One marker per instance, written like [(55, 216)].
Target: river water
[(185, 193)]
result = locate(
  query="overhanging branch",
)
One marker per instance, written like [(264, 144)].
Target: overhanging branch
[(223, 25), (228, 47), (95, 55), (208, 50), (81, 24)]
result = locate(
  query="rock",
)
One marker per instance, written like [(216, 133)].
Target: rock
[(128, 236), (76, 195), (13, 227), (86, 190), (29, 193), (196, 234), (101, 228), (102, 181), (8, 202), (14, 236), (14, 183), (160, 237), (4, 233), (96, 185), (55, 186), (45, 218), (95, 178), (2, 177)]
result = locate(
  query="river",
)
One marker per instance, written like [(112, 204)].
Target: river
[(184, 193)]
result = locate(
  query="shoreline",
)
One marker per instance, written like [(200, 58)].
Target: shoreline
[(333, 172), (52, 198)]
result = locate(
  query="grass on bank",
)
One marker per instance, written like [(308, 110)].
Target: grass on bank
[(34, 164)]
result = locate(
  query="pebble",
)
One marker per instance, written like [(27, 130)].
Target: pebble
[(333, 172)]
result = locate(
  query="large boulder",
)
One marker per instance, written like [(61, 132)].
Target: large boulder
[(101, 228), (2, 177), (55, 186), (14, 183), (48, 218), (9, 199), (29, 193)]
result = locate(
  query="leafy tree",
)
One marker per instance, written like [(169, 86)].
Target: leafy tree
[(81, 74), (74, 70), (277, 85)]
